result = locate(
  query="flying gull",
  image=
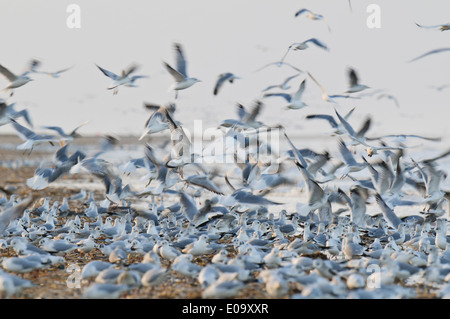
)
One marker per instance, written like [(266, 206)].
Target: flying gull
[(182, 81), (224, 77), (124, 78), (294, 100), (16, 81), (313, 16), (305, 45)]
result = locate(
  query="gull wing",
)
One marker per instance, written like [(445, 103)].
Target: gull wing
[(221, 80), (430, 53), (176, 75), (190, 210), (301, 11), (346, 154), (8, 74), (180, 60), (285, 96), (300, 90), (353, 77), (326, 117), (318, 43), (108, 73), (204, 182), (388, 214), (346, 125)]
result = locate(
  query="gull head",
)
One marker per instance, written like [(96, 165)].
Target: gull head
[(370, 151)]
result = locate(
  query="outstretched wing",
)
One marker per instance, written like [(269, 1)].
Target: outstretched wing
[(176, 75), (180, 60), (108, 73), (8, 74)]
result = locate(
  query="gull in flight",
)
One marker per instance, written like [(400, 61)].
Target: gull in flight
[(123, 79), (442, 27), (16, 81), (7, 112), (181, 153), (294, 100), (360, 139), (305, 45), (390, 97), (157, 121), (56, 74), (66, 136), (13, 212), (31, 138), (313, 16), (355, 86), (282, 86), (182, 81), (224, 77), (338, 128)]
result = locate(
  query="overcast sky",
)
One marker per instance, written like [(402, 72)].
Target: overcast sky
[(227, 36)]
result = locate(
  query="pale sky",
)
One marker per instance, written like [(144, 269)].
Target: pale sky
[(227, 36)]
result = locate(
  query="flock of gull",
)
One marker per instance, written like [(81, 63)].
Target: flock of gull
[(224, 225)]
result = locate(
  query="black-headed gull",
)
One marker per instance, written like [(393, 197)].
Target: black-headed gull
[(182, 80)]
